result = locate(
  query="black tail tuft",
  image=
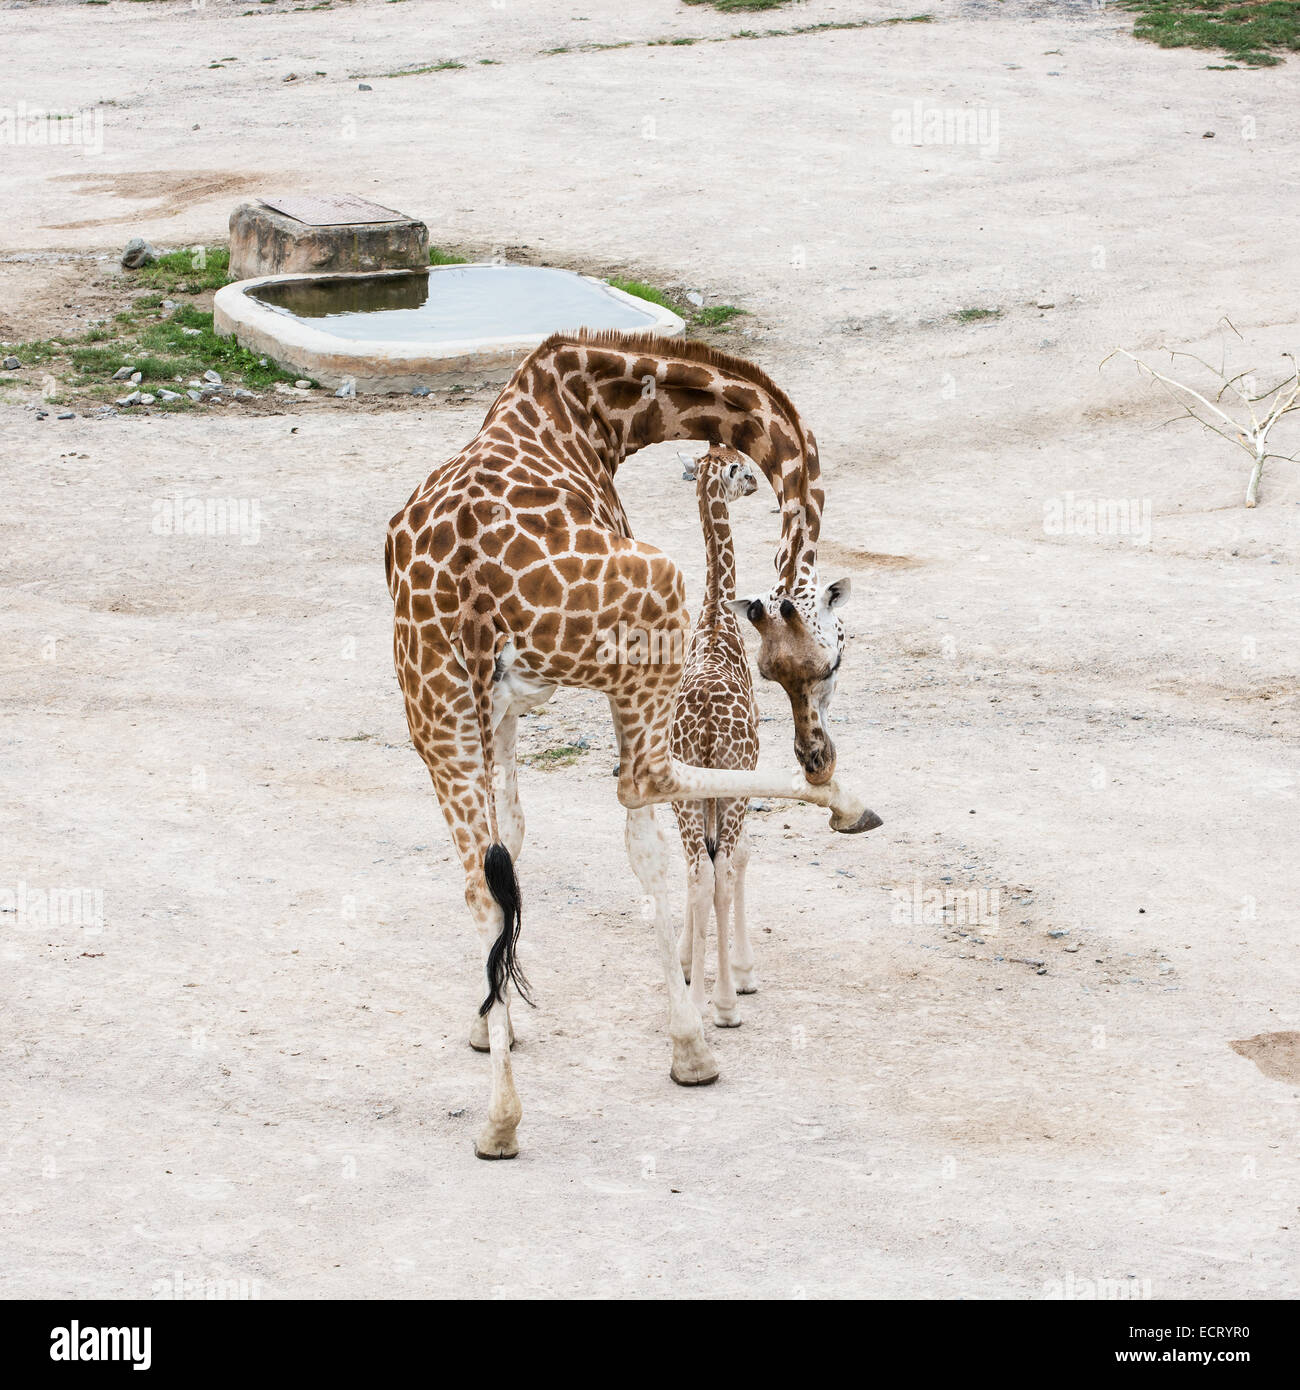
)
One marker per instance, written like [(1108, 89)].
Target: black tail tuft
[(503, 884)]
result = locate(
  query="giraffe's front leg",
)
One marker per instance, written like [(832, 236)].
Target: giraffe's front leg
[(693, 1062)]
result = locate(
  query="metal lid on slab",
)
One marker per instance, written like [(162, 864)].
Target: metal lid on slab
[(332, 209)]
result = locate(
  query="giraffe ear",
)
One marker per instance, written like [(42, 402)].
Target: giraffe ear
[(690, 466), (835, 594), (751, 608)]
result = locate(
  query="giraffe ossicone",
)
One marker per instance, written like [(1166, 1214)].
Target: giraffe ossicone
[(494, 609)]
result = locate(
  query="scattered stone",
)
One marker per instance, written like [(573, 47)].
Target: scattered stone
[(290, 77), (136, 378), (240, 394), (11, 364), (67, 415), (1209, 135), (195, 395), (168, 396), (195, 385), (364, 87), (347, 390), (190, 332), (303, 384), (42, 414), (129, 400), (212, 376), (138, 253), (122, 374), (169, 303), (147, 399), (420, 391)]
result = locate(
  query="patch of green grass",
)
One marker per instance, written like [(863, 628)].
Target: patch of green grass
[(564, 755), (731, 6), (187, 271), (644, 291), (447, 65), (158, 347), (39, 350), (975, 315), (715, 315), (1253, 34), (174, 352), (439, 257), (712, 316)]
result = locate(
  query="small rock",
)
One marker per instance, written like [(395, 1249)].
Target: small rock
[(289, 77), (169, 303), (347, 390), (364, 87), (212, 376), (190, 332), (147, 399), (136, 378), (240, 394), (420, 391), (195, 395), (122, 374), (11, 364), (129, 400), (67, 415), (302, 384), (138, 253), (168, 396), (1209, 135)]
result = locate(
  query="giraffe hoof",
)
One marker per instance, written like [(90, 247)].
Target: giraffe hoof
[(496, 1148), (694, 1065), (868, 820)]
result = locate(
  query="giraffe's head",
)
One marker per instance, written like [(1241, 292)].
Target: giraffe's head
[(733, 471), (801, 644)]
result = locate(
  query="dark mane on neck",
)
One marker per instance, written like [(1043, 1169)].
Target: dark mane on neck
[(680, 350)]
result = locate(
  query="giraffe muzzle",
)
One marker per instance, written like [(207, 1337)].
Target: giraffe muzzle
[(817, 760)]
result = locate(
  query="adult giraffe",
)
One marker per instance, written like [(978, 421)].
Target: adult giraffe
[(513, 570)]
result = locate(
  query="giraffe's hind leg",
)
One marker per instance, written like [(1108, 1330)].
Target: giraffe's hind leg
[(726, 876), (512, 696), (692, 825), (744, 971), (455, 763)]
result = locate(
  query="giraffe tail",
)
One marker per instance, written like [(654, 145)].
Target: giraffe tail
[(502, 962)]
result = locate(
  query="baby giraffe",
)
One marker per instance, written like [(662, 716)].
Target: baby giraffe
[(715, 725)]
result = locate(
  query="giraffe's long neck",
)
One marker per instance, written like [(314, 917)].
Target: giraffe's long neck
[(612, 394), (719, 553)]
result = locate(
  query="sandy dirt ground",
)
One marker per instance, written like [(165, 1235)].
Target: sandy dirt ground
[(255, 1070)]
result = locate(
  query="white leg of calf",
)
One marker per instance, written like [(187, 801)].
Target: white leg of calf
[(725, 1012), (693, 1063), (699, 904), (744, 971)]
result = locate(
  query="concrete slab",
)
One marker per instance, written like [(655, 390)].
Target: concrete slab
[(266, 241)]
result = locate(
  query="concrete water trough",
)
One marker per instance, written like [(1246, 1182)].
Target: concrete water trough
[(399, 330)]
